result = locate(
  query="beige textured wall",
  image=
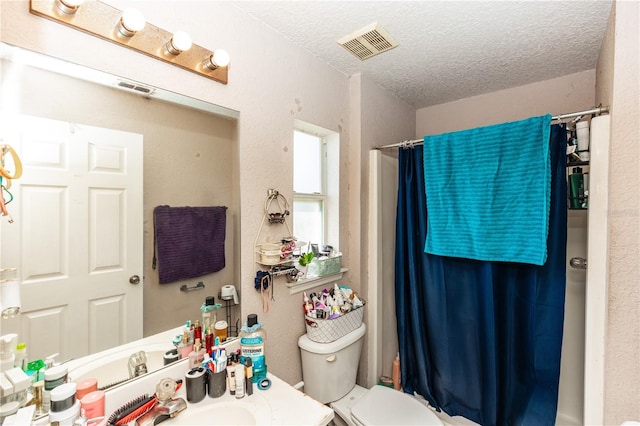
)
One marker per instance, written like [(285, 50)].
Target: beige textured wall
[(622, 83), (271, 83), (556, 96)]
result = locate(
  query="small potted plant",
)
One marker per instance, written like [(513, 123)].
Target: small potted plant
[(303, 262)]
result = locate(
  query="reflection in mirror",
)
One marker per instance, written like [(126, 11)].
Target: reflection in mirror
[(83, 210)]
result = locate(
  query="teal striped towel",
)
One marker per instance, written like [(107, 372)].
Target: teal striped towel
[(488, 192)]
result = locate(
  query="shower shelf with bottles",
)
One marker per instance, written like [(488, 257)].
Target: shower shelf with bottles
[(577, 160)]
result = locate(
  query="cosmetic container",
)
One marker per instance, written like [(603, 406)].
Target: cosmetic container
[(239, 373), (196, 384), (197, 355), (93, 404), (53, 377), (231, 377)]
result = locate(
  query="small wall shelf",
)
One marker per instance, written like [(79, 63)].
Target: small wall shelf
[(305, 284)]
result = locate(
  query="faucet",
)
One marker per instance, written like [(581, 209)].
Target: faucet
[(137, 364), (167, 406)]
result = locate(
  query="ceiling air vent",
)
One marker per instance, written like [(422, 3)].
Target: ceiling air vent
[(368, 41), (135, 87)]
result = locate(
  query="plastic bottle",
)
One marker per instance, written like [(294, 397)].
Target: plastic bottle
[(252, 341), (208, 314), (395, 372), (239, 376), (576, 181), (7, 351), (21, 360)]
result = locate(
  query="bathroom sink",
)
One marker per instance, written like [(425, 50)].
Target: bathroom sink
[(113, 366), (250, 410)]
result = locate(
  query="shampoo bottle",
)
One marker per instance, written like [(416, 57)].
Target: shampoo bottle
[(576, 181), (395, 372)]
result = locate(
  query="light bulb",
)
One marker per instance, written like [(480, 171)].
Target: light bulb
[(220, 58), (131, 22), (180, 42), (69, 6)]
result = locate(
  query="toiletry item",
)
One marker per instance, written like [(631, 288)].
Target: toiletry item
[(576, 181), (16, 383), (208, 341), (21, 360), (307, 306), (170, 356), (196, 384), (582, 132), (197, 331), (239, 373), (252, 341), (67, 417), (197, 355), (64, 406), (186, 346), (63, 397), (248, 376), (93, 404), (86, 386), (53, 377), (208, 313), (38, 389), (231, 378), (220, 330), (7, 351), (395, 372), (585, 181), (217, 383)]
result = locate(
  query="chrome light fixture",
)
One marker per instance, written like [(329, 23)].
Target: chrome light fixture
[(131, 31)]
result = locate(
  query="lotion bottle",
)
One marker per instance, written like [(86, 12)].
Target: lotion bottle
[(239, 373), (395, 372)]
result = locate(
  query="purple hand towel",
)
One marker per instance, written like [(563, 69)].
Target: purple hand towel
[(189, 241)]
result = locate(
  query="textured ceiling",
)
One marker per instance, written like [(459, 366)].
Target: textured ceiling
[(448, 50)]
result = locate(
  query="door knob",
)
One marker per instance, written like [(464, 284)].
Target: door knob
[(134, 279)]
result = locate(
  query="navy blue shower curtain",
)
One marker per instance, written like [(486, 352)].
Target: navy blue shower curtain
[(480, 339)]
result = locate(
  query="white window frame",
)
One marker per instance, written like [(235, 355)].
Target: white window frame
[(330, 171)]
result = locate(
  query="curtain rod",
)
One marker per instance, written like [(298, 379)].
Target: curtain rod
[(598, 110)]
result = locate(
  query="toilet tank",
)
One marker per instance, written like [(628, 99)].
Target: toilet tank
[(329, 369)]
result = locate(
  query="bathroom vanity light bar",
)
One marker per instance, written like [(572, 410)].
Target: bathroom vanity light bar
[(129, 29)]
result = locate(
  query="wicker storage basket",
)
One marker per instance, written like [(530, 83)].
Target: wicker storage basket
[(329, 330)]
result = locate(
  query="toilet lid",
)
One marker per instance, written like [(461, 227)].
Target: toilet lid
[(386, 406)]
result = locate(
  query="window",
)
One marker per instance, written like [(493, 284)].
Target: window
[(315, 185)]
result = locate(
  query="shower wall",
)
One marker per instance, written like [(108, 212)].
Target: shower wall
[(570, 93)]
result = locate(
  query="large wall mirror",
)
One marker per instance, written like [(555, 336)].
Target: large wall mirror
[(186, 151)]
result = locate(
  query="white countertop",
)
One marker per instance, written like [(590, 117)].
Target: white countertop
[(281, 404)]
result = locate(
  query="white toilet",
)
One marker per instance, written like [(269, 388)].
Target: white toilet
[(329, 374)]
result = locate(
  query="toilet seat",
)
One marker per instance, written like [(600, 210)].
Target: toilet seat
[(385, 406)]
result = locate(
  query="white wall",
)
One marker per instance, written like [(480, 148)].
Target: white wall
[(618, 85)]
